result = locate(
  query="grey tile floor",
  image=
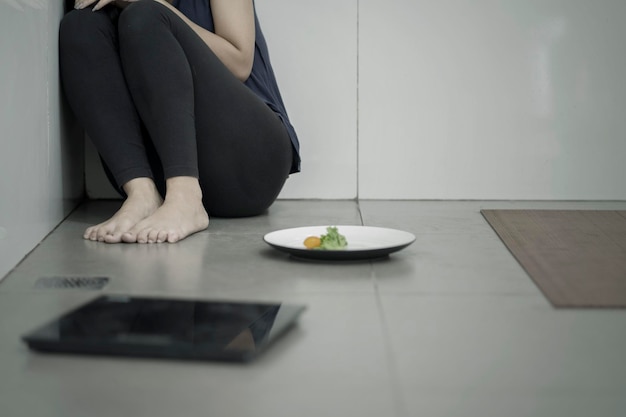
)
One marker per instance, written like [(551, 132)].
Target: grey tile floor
[(450, 326)]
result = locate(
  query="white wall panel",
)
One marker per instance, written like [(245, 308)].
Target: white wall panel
[(486, 99), (313, 50), (41, 166)]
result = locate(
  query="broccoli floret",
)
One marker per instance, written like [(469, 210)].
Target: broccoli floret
[(333, 240)]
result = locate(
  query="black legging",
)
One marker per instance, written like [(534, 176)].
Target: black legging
[(158, 103)]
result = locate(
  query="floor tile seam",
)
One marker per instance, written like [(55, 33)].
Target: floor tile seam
[(482, 232), (365, 292), (350, 293), (58, 293), (209, 233), (337, 293), (360, 212), (63, 292), (399, 401), (449, 294)]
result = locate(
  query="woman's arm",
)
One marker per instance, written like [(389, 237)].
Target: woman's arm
[(233, 40)]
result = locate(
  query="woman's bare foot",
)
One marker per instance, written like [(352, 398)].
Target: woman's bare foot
[(142, 201), (181, 215)]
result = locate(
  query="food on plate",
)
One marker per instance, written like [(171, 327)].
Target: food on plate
[(332, 240), (312, 242)]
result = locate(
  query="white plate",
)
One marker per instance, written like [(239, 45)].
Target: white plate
[(364, 242)]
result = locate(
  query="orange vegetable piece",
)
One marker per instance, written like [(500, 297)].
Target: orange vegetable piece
[(312, 242)]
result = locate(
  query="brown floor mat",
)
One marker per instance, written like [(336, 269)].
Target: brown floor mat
[(577, 258)]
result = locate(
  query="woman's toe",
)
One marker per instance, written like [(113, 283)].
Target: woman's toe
[(173, 237), (153, 236), (162, 236), (129, 237), (142, 237)]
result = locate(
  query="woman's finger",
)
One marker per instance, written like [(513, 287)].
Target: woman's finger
[(81, 4), (101, 4)]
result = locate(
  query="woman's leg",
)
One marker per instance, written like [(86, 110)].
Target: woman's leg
[(96, 90), (203, 122), (196, 110)]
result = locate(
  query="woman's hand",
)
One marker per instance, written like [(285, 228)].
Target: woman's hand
[(81, 4)]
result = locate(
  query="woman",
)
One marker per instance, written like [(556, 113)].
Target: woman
[(180, 100)]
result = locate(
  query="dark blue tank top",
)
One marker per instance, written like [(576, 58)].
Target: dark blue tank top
[(262, 80)]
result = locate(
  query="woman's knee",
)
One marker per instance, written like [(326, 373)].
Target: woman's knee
[(140, 16), (80, 28)]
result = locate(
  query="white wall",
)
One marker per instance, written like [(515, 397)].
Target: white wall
[(453, 99), (41, 169), (492, 99), (313, 47)]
